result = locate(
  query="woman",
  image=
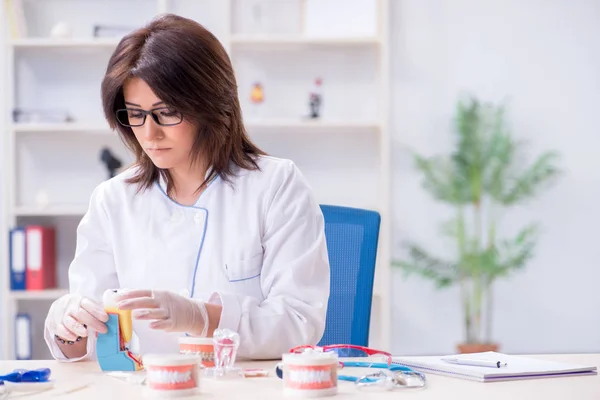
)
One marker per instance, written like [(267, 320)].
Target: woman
[(205, 229)]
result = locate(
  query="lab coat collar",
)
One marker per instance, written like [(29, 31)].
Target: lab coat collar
[(162, 184)]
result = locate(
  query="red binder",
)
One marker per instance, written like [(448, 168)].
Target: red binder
[(41, 257)]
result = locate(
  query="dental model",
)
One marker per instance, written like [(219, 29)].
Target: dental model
[(112, 347), (172, 375), (202, 347), (310, 374), (125, 322), (225, 343)]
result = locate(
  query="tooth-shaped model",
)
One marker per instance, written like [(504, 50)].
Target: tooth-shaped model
[(111, 347), (125, 324)]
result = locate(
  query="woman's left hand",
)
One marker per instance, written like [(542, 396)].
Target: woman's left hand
[(170, 311)]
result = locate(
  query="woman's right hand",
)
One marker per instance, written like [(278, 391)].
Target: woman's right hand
[(69, 313)]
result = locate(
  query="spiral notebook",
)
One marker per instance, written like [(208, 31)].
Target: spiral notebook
[(516, 367)]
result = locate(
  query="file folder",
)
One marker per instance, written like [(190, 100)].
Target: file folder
[(41, 257), (17, 251), (23, 336)]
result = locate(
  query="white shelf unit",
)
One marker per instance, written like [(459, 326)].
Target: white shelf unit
[(294, 40), (57, 43), (344, 154), (55, 128), (50, 294)]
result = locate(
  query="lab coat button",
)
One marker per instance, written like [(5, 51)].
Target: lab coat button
[(198, 218), (176, 216)]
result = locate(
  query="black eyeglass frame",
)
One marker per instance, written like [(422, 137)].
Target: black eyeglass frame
[(145, 114)]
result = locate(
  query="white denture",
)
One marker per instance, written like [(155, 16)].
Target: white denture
[(310, 376), (174, 377), (204, 356)]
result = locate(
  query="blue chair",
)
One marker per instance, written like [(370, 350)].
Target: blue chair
[(352, 235)]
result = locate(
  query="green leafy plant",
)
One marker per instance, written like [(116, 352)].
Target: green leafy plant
[(483, 176)]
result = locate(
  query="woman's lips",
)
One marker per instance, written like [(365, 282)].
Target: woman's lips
[(157, 150)]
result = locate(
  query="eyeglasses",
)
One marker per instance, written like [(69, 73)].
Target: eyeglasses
[(345, 350), (134, 117), (388, 378)]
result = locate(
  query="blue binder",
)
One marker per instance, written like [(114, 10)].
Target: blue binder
[(18, 258), (23, 343)]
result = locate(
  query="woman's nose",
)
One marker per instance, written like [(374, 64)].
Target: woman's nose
[(151, 129)]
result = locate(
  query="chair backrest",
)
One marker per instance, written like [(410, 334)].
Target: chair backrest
[(352, 236)]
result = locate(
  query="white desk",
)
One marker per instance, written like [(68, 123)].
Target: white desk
[(69, 376)]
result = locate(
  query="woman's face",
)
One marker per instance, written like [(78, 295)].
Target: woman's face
[(167, 146)]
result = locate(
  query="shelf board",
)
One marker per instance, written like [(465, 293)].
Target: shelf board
[(60, 128), (267, 40), (48, 294), (75, 43), (65, 210), (309, 124), (252, 124), (111, 43)]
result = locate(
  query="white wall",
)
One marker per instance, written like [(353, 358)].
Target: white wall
[(545, 57)]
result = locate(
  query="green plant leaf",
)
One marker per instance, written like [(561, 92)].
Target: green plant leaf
[(515, 253), (500, 156), (541, 172), (469, 163), (422, 263), (436, 178)]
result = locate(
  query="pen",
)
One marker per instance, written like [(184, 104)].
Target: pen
[(477, 363)]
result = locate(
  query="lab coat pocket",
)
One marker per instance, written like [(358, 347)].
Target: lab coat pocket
[(244, 276)]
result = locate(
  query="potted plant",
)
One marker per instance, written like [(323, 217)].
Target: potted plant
[(480, 179)]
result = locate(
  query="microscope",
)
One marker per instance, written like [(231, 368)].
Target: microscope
[(111, 162)]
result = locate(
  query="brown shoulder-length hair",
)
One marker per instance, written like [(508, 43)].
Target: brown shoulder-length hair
[(187, 68)]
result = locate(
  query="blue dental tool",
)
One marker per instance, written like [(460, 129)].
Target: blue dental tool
[(24, 375)]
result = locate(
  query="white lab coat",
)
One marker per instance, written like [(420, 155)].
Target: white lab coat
[(258, 243)]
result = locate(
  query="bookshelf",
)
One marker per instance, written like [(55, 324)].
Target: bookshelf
[(344, 154), (58, 43), (50, 294), (294, 40)]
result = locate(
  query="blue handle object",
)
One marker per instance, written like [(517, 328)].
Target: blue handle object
[(36, 375), (366, 364), (24, 375), (12, 377)]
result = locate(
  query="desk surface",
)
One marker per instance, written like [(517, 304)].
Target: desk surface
[(70, 376)]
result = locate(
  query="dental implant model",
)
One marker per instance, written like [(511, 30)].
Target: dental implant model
[(112, 347)]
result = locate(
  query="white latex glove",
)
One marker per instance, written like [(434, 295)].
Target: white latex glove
[(69, 313), (170, 311)]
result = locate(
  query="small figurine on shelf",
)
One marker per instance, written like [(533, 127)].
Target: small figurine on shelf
[(257, 97), (316, 99), (111, 162)]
